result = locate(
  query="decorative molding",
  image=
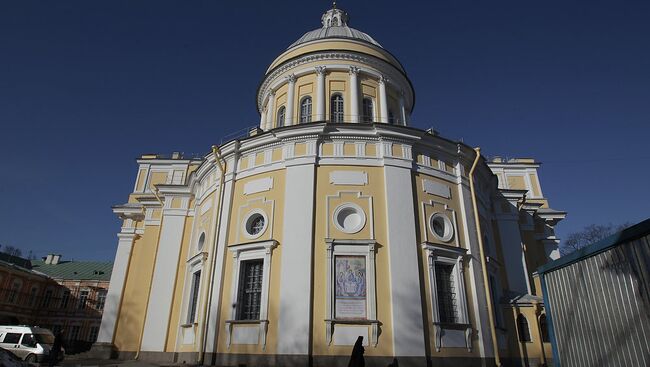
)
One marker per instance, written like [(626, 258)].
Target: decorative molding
[(259, 185), (348, 178), (436, 188), (387, 70)]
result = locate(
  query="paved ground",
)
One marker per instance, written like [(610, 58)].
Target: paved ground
[(103, 363)]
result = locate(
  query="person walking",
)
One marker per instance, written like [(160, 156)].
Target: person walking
[(56, 349), (356, 359)]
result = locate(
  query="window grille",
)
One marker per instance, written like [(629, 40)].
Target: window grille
[(446, 290), (194, 297), (367, 110), (524, 331), (281, 115), (337, 108), (305, 110), (250, 290)]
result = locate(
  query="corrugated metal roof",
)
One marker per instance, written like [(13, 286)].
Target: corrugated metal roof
[(75, 270)]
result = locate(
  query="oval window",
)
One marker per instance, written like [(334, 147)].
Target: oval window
[(441, 227), (349, 218), (255, 224)]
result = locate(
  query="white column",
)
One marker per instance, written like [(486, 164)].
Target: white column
[(164, 277), (402, 109), (263, 119), (288, 119), (320, 93), (270, 110), (408, 328), (213, 320), (114, 295), (354, 94), (383, 100), (295, 273)]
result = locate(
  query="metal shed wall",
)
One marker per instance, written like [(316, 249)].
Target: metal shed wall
[(598, 303)]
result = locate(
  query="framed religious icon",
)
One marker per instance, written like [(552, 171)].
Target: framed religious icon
[(350, 291)]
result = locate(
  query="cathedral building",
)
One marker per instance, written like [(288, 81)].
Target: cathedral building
[(332, 220)]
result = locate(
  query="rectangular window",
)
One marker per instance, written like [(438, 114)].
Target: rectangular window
[(92, 337), (47, 299), (32, 297), (12, 338), (194, 297), (65, 299), (101, 299), (446, 291), (350, 294), (250, 290), (83, 298)]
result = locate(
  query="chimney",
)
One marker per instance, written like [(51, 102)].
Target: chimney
[(55, 259), (48, 259)]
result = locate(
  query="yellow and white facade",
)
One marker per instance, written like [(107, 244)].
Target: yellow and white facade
[(332, 220)]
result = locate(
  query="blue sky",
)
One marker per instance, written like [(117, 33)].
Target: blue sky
[(86, 87)]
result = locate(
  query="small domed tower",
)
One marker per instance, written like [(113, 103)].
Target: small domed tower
[(334, 74)]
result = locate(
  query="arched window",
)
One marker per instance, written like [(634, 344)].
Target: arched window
[(337, 108), (281, 114), (368, 111), (543, 328), (524, 331), (305, 110)]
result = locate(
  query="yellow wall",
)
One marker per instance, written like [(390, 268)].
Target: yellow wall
[(242, 204), (131, 317), (375, 189)]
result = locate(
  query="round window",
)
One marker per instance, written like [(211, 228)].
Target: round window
[(441, 227), (255, 224), (199, 245), (349, 218)]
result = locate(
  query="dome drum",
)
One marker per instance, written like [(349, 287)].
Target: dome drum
[(320, 76)]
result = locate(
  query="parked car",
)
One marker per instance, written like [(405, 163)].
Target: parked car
[(29, 343)]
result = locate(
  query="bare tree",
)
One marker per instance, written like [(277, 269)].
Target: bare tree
[(10, 250), (588, 235)]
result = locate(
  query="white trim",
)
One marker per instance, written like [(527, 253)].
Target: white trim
[(243, 252), (364, 248), (449, 227), (357, 210), (452, 256), (247, 222)]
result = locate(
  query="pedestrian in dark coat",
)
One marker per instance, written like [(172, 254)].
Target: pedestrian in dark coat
[(356, 359), (56, 348)]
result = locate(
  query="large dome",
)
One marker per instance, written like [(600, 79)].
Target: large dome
[(335, 25), (334, 32)]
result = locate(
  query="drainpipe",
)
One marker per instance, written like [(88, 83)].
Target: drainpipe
[(488, 294), (213, 262), (146, 307)]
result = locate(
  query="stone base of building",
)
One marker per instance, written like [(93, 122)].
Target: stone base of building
[(100, 351), (342, 361), (259, 360)]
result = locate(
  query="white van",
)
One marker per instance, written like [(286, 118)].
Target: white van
[(30, 343)]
